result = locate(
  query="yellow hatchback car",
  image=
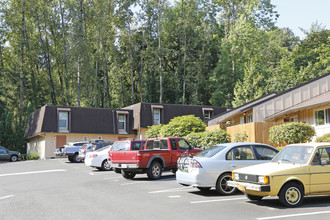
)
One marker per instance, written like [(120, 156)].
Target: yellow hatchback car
[(298, 170)]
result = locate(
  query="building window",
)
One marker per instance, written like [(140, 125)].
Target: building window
[(249, 118), (241, 120), (63, 121), (156, 116), (322, 117), (122, 123), (208, 113), (294, 119)]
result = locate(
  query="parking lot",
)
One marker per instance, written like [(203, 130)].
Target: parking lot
[(58, 189)]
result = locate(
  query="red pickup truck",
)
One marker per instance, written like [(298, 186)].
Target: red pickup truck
[(159, 154)]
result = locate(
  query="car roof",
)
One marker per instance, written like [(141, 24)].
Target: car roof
[(314, 144)]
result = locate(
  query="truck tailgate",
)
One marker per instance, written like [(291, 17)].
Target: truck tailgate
[(124, 156)]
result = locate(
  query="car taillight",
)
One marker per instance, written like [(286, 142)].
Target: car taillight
[(195, 164), (138, 157)]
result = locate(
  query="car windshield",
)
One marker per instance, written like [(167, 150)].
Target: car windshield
[(120, 146), (294, 154), (210, 152), (103, 148)]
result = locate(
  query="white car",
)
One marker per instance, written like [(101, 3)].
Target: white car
[(99, 158), (212, 167)]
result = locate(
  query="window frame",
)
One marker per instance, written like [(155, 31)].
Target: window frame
[(326, 117), (153, 116), (62, 129), (123, 116)]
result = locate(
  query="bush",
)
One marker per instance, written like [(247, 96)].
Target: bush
[(240, 137), (182, 126), (153, 131), (30, 156), (207, 139), (291, 133), (324, 138)]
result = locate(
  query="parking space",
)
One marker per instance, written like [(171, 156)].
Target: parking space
[(57, 189)]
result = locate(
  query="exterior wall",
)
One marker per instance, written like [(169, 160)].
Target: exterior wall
[(291, 98), (307, 116), (45, 145), (257, 131)]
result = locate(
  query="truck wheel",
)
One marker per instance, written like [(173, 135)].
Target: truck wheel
[(70, 158), (155, 171), (13, 158), (127, 174), (253, 197), (75, 159), (221, 185), (291, 195), (106, 166)]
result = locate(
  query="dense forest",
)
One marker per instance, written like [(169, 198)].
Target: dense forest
[(110, 54)]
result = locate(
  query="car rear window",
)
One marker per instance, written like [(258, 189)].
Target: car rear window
[(103, 148), (210, 152)]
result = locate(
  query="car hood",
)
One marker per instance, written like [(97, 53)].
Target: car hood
[(270, 168)]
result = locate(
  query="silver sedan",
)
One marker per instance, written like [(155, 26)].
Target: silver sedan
[(212, 167)]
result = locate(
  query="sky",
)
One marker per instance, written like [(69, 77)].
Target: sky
[(302, 13)]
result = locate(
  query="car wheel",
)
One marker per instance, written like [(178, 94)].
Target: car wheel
[(13, 158), (204, 189), (106, 166), (253, 197), (128, 174), (70, 158), (291, 195), (75, 159), (174, 170), (155, 171), (222, 187)]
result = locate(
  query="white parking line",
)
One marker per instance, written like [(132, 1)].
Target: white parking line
[(173, 190), (6, 197), (32, 172), (217, 200), (294, 215), (99, 174), (172, 197), (112, 178), (133, 183)]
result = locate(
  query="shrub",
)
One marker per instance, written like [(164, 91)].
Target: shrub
[(207, 139), (182, 126), (291, 133), (153, 131), (240, 137), (324, 138), (30, 156)]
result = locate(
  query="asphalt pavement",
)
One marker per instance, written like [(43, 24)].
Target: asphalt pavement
[(58, 189)]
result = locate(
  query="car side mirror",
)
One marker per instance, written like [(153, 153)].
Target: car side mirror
[(324, 162)]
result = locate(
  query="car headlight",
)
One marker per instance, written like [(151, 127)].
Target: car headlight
[(263, 179), (235, 176)]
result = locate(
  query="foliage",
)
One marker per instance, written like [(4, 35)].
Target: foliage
[(30, 156), (324, 138), (182, 126), (240, 137), (291, 133), (207, 139), (153, 131), (195, 139)]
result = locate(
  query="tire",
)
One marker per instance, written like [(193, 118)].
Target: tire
[(174, 170), (154, 172), (253, 197), (75, 159), (204, 189), (291, 195), (221, 185), (105, 166), (13, 158), (70, 158), (127, 174), (117, 170)]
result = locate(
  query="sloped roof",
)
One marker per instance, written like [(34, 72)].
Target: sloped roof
[(314, 101)]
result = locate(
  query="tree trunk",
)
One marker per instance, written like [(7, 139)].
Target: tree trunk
[(159, 55), (21, 88), (78, 83), (97, 67), (131, 56)]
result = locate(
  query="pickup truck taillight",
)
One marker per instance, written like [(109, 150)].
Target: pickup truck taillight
[(195, 164), (138, 156)]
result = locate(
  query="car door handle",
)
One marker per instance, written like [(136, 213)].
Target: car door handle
[(233, 166), (124, 152)]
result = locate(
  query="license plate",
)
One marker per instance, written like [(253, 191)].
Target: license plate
[(240, 187)]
